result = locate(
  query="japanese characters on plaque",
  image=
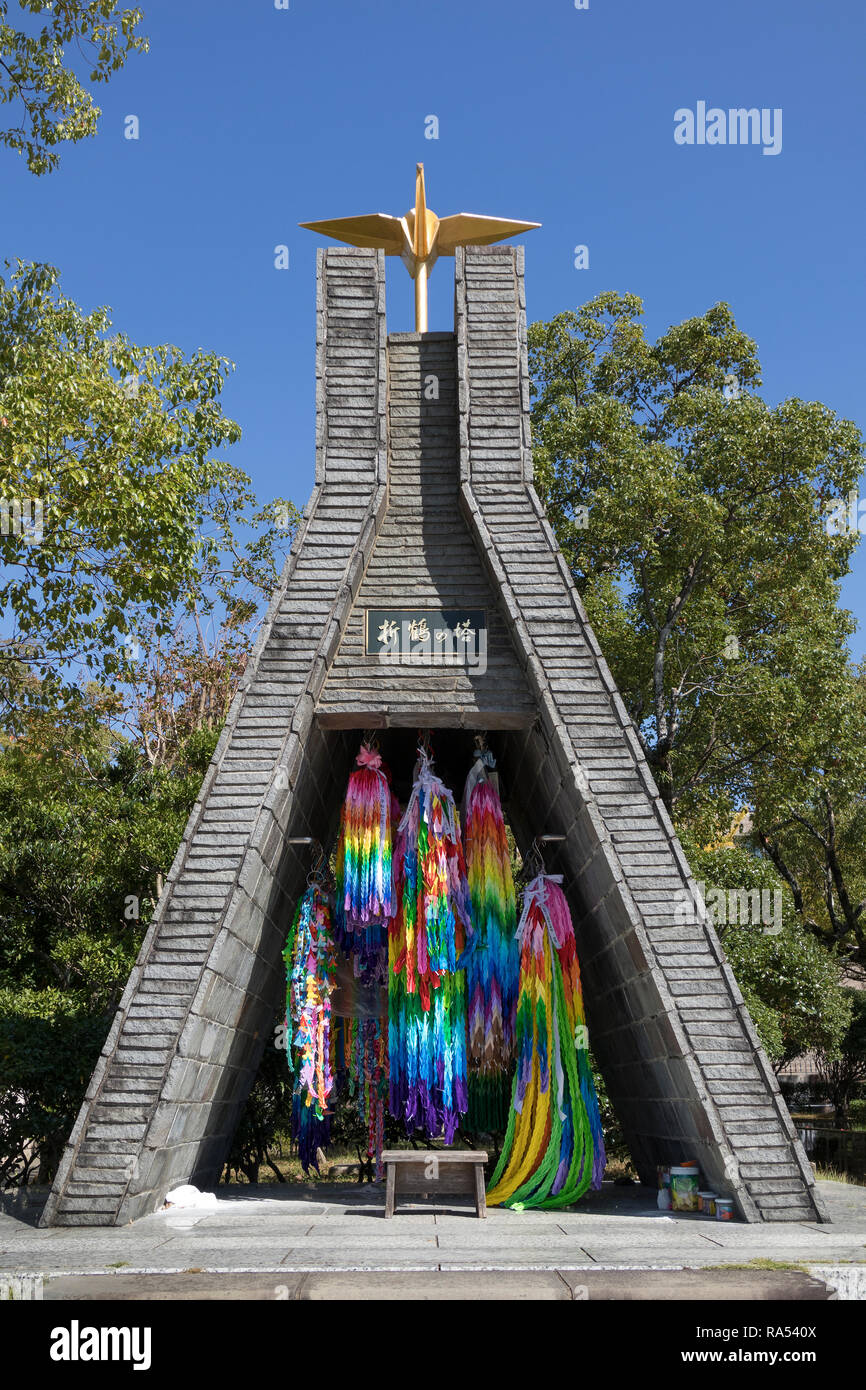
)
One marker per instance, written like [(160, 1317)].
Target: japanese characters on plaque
[(427, 636)]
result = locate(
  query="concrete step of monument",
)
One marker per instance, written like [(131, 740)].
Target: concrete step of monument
[(760, 1147), (100, 1188), (757, 1132), (772, 1205), (175, 936), (77, 1216), (762, 1169), (120, 1110), (626, 839), (136, 1070), (189, 952), (762, 1187), (141, 1056), (729, 1028), (151, 992), (173, 974), (800, 1212), (689, 972), (129, 1092), (716, 1006), (106, 1130), (430, 396), (111, 1171), (734, 1107), (494, 462), (91, 1206), (668, 941)]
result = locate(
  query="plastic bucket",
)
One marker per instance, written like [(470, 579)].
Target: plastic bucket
[(684, 1189), (724, 1209)]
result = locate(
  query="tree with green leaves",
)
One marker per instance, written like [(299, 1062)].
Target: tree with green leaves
[(86, 830), (47, 98), (843, 1069), (94, 797), (809, 818), (117, 514), (129, 603), (694, 517), (792, 984)]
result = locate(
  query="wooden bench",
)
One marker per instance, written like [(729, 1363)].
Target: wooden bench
[(442, 1172)]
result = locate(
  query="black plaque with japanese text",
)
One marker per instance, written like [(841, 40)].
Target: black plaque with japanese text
[(450, 631)]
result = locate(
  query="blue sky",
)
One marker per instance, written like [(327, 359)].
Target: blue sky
[(253, 119)]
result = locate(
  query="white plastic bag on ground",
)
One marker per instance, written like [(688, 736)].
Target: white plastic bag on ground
[(189, 1196)]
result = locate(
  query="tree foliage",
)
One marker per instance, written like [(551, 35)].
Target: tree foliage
[(38, 82), (87, 829), (127, 627), (139, 523), (844, 1068), (791, 982), (810, 819), (694, 517)]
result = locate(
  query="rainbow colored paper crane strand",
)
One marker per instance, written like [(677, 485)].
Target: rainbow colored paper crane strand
[(366, 1061), (426, 991), (554, 1149), (492, 959), (310, 964), (365, 849), (365, 897)]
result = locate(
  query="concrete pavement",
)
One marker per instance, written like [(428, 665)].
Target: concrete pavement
[(312, 1237)]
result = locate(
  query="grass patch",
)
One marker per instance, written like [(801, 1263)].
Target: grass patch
[(118, 1264), (833, 1175), (760, 1263)]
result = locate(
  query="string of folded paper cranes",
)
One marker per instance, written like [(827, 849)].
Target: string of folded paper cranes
[(484, 1013)]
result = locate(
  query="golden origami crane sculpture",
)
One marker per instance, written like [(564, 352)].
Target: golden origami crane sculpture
[(419, 238)]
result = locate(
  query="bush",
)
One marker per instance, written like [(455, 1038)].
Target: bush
[(844, 1069), (48, 1049), (790, 981)]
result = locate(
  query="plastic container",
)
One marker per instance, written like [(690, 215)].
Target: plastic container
[(705, 1201), (724, 1209), (664, 1199), (664, 1176), (684, 1188)]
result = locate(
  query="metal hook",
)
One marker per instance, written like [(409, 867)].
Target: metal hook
[(534, 864), (535, 858), (318, 866)]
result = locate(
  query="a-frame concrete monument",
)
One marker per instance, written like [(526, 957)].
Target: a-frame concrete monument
[(424, 501)]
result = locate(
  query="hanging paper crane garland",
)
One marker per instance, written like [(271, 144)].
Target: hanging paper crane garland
[(553, 1150), (365, 1059), (367, 893), (365, 898), (492, 959), (426, 991), (310, 963)]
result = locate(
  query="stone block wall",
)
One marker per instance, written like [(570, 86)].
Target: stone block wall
[(424, 558)]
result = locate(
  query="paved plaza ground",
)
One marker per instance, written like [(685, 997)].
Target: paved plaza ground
[(315, 1241)]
